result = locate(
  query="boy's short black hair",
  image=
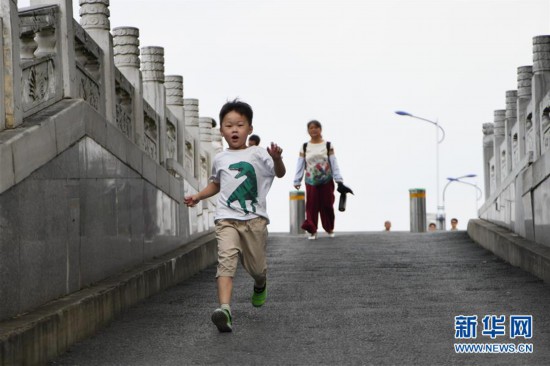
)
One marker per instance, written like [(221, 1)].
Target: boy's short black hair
[(242, 108), (254, 138)]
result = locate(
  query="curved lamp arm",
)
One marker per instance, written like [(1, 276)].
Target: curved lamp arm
[(451, 180), (403, 113)]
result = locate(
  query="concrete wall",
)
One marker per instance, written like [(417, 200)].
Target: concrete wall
[(518, 251), (99, 206), (37, 337)]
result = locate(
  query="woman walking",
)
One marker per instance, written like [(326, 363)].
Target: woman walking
[(321, 169)]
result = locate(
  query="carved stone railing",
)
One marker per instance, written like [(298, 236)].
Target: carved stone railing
[(88, 56), (49, 56), (124, 104), (41, 76), (516, 153), (55, 57), (151, 121), (171, 136)]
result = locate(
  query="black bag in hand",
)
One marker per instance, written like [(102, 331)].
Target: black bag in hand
[(343, 192)]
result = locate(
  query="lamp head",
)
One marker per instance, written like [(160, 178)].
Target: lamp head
[(403, 113), (464, 176)]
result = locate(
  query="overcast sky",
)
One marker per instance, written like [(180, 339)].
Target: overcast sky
[(351, 64)]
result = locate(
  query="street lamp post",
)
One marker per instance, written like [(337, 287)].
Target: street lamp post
[(458, 179), (440, 215)]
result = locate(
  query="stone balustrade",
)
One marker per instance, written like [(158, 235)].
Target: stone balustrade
[(516, 152), (42, 66), (101, 141)]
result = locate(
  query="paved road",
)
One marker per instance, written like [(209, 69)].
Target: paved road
[(357, 299)]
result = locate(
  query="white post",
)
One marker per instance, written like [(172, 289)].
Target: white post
[(499, 116), (540, 86), (174, 102), (509, 123), (524, 76), (126, 56), (440, 215), (152, 68), (191, 107), (13, 111), (95, 20), (488, 153)]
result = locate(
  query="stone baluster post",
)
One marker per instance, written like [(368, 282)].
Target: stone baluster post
[(205, 136), (94, 18), (65, 48), (152, 68), (11, 110), (525, 76), (205, 132), (174, 102), (191, 108), (217, 139), (500, 152), (510, 122), (540, 85), (488, 157), (126, 58)]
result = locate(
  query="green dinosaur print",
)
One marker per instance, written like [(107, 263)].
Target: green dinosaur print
[(248, 189)]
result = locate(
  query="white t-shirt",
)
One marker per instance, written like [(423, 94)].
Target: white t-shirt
[(245, 177)]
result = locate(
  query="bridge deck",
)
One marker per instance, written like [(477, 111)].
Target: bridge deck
[(360, 298)]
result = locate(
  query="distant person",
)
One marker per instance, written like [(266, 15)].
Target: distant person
[(454, 223), (387, 225), (254, 140), (242, 176), (321, 169), (432, 227)]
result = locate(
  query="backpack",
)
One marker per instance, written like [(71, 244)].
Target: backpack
[(305, 148)]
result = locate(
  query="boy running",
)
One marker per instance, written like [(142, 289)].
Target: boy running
[(242, 176)]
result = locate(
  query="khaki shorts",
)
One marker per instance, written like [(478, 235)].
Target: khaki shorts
[(244, 240)]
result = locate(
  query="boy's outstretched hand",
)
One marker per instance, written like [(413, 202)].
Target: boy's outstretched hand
[(275, 151), (191, 201), (276, 154)]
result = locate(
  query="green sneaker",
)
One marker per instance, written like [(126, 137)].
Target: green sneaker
[(259, 295), (222, 319)]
